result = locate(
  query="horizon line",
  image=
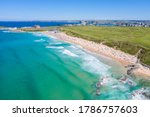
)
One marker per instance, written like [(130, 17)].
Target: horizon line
[(79, 20)]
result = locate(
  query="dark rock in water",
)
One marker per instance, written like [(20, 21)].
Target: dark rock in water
[(98, 84), (131, 68), (131, 83), (123, 79), (98, 92), (146, 94), (129, 72)]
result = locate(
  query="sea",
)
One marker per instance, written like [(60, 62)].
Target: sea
[(34, 66), (19, 24)]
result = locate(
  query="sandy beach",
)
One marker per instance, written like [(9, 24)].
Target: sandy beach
[(101, 49)]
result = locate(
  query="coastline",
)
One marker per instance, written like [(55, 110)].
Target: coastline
[(101, 49)]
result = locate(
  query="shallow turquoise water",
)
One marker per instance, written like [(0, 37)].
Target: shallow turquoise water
[(34, 66)]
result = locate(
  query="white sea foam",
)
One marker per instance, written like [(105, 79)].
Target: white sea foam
[(93, 65), (138, 97), (26, 27), (39, 34), (15, 28), (6, 31), (69, 53), (73, 47), (56, 43), (138, 94), (11, 31), (89, 62), (55, 47), (76, 47), (40, 40)]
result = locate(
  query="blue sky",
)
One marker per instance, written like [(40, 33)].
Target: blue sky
[(74, 9)]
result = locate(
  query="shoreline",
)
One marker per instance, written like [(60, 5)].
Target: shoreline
[(101, 49)]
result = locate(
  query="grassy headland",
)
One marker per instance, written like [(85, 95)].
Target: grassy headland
[(2, 27), (127, 39), (50, 28)]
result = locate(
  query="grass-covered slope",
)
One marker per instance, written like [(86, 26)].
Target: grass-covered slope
[(127, 39), (50, 28), (2, 27)]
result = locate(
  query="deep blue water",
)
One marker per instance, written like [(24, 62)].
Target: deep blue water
[(33, 23)]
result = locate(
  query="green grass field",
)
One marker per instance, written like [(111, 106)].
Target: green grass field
[(40, 29), (127, 39)]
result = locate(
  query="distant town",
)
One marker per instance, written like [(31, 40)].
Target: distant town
[(125, 23)]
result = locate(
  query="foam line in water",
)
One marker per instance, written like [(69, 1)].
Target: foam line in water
[(55, 47), (40, 40), (69, 53), (55, 44), (141, 94), (89, 62), (93, 65), (75, 47), (6, 31), (15, 28), (39, 34)]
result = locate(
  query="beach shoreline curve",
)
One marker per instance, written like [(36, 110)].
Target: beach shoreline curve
[(101, 49)]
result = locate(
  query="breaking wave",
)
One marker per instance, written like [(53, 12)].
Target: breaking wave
[(55, 47), (40, 40), (69, 53)]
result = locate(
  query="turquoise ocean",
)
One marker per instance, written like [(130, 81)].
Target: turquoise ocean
[(34, 66)]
